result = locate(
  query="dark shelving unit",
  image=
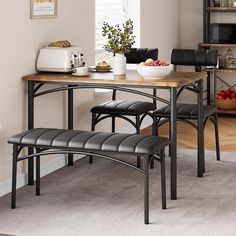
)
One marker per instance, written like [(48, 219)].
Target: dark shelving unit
[(208, 9)]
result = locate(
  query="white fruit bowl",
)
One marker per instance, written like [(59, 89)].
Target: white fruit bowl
[(154, 72)]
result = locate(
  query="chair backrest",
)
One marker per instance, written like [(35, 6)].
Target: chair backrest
[(137, 55), (196, 58), (192, 57)]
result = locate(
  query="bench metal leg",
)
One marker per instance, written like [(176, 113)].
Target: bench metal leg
[(200, 130), (217, 138), (70, 120), (163, 180), (146, 189), (37, 173), (14, 177)]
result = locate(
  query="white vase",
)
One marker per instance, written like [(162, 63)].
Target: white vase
[(119, 64)]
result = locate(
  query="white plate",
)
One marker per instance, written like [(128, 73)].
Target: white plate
[(80, 75)]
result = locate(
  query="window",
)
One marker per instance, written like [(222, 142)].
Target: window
[(114, 12)]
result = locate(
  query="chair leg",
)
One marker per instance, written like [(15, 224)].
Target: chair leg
[(113, 124), (217, 137), (92, 129), (139, 162), (163, 179), (146, 189), (14, 177), (37, 173), (155, 133), (169, 138)]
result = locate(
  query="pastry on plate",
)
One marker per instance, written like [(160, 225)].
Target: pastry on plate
[(103, 65)]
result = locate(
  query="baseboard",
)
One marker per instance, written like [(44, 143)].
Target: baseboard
[(46, 168), (59, 162)]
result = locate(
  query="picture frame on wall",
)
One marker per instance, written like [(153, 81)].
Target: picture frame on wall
[(43, 9)]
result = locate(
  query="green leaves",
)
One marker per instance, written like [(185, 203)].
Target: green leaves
[(118, 40)]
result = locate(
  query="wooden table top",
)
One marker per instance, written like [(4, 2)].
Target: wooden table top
[(131, 79)]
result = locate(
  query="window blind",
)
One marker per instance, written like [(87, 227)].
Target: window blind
[(112, 11)]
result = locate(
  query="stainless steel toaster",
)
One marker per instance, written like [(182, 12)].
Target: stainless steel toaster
[(57, 59)]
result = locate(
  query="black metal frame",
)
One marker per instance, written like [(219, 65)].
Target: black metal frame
[(33, 92), (157, 122), (160, 157)]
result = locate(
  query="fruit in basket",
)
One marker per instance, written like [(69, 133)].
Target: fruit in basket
[(226, 99), (226, 95)]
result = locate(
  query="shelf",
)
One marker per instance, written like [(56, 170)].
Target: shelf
[(226, 70), (218, 45), (222, 70), (221, 9), (232, 111)]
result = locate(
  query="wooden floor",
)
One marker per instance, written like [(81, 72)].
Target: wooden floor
[(187, 135)]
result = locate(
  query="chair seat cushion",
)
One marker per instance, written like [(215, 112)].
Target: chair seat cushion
[(80, 140), (186, 111), (122, 107)]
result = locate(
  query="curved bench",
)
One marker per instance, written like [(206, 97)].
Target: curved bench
[(56, 141)]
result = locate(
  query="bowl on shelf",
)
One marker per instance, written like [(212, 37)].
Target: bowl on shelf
[(226, 99), (225, 104), (154, 72)]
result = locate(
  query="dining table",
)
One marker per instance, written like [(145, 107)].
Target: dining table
[(131, 82)]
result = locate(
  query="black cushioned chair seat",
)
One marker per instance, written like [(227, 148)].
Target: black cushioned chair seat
[(122, 107), (80, 140), (186, 111)]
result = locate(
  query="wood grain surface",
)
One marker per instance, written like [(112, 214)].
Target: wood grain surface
[(131, 79)]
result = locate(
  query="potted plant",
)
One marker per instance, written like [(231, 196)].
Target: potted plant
[(119, 41)]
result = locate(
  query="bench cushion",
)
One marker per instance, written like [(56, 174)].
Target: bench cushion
[(122, 107), (186, 111), (80, 140)]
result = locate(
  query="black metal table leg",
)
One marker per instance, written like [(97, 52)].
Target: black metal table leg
[(70, 119), (208, 88), (30, 126), (201, 154), (173, 183)]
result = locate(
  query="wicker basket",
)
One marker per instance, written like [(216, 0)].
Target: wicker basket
[(225, 104)]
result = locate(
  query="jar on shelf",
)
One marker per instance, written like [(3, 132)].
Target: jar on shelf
[(229, 60), (216, 3), (221, 62), (232, 3), (224, 3)]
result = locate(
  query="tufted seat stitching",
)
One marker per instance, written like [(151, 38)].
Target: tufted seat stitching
[(117, 103), (185, 111), (119, 107), (133, 104)]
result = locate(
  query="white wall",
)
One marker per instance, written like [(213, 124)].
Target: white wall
[(21, 39), (160, 25)]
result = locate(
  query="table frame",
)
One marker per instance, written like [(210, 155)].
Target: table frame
[(34, 86)]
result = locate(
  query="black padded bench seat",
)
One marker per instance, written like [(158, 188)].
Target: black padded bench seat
[(54, 141)]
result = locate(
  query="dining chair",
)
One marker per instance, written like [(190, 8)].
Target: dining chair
[(124, 109), (188, 112)]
